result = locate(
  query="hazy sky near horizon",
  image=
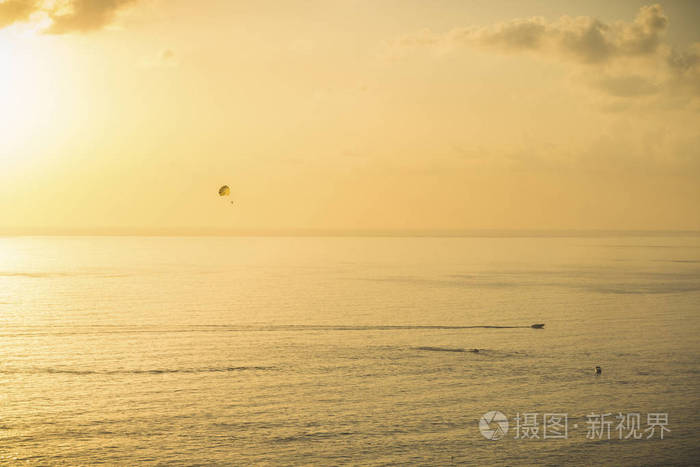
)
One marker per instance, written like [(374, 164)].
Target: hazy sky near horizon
[(350, 114)]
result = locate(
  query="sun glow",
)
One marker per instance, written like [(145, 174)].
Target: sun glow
[(17, 103), (29, 92)]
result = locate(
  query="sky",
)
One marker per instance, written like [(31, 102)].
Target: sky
[(128, 115)]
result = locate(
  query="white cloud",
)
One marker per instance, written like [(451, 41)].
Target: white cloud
[(629, 59), (66, 16)]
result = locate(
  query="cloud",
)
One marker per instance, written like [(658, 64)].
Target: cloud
[(85, 15), (614, 49), (66, 16), (12, 11), (627, 85), (685, 68), (583, 39)]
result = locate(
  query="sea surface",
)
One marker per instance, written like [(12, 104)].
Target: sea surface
[(302, 350)]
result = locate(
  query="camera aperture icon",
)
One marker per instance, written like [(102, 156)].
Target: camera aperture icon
[(493, 425)]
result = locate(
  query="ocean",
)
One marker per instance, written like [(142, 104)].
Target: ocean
[(350, 350)]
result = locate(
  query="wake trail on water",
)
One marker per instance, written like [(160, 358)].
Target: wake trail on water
[(446, 349), (155, 371), (54, 330)]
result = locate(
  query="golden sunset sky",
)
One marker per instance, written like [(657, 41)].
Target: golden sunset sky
[(128, 114)]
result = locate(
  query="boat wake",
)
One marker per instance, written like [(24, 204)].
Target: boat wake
[(56, 330), (155, 371), (447, 349)]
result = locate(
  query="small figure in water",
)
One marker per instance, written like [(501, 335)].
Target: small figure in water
[(598, 370)]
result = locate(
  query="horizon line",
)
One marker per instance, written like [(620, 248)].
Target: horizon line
[(311, 232)]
